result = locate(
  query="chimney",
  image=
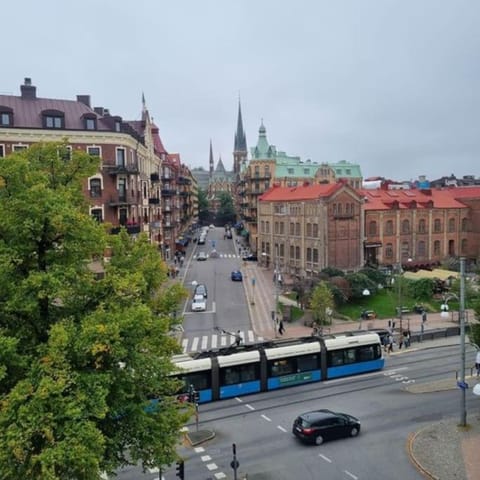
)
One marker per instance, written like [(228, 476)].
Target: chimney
[(85, 99), (29, 92), (99, 111)]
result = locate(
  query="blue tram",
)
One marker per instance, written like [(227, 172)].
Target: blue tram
[(252, 368)]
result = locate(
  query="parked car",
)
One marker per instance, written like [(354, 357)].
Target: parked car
[(202, 256), (199, 304), (201, 289), (201, 240), (212, 226), (252, 257), (236, 276), (320, 425)]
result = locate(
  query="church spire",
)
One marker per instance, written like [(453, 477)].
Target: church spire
[(211, 159), (240, 144)]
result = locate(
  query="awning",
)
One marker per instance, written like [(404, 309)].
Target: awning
[(244, 233), (372, 244)]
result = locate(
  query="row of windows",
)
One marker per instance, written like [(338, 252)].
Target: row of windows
[(312, 254), (336, 358), (56, 120), (421, 250), (405, 226), (294, 228)]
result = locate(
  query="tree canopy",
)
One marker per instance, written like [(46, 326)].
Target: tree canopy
[(81, 357)]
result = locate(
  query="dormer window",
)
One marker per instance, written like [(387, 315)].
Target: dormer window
[(53, 119), (6, 116), (90, 124), (118, 126)]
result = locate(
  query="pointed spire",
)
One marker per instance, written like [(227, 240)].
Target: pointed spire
[(240, 139), (211, 159)]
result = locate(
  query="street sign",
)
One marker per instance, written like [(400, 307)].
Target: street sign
[(462, 385), (234, 464)]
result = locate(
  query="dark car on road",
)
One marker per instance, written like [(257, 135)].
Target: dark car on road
[(237, 276), (321, 425), (250, 258)]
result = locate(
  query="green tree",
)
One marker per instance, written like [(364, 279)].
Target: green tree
[(226, 210), (80, 357), (321, 303), (359, 282), (203, 212)]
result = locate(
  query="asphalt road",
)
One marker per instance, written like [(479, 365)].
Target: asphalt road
[(226, 303)]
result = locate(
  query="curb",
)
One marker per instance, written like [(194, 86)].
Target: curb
[(410, 441), (203, 436)]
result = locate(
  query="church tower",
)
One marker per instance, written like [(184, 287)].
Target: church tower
[(210, 162), (240, 145)]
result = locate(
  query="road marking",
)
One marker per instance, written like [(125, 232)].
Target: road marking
[(214, 341), (184, 344), (195, 344), (212, 466), (325, 458), (199, 449), (239, 400), (250, 407), (265, 418), (205, 458), (351, 475), (251, 336), (281, 428), (204, 342), (220, 475)]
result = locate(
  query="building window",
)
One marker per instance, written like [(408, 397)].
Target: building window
[(282, 228), (90, 123), (297, 229), (436, 247), (464, 245), (405, 226), (315, 230), (120, 157), (95, 188), (437, 225), (19, 148), (97, 214), (290, 171), (292, 228), (309, 230), (6, 119), (405, 250), (292, 251), (464, 224), (262, 226), (94, 151), (389, 227), (422, 226), (53, 121), (309, 254), (2, 151), (315, 255), (297, 253), (275, 227), (372, 228), (118, 126), (306, 171), (451, 225), (388, 250), (421, 248), (282, 250), (267, 227)]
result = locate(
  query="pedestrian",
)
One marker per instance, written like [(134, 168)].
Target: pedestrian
[(390, 344), (314, 329), (281, 329), (477, 363), (385, 343), (238, 338), (182, 259), (400, 341)]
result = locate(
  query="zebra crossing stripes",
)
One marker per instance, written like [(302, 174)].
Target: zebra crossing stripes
[(208, 342), (222, 255)]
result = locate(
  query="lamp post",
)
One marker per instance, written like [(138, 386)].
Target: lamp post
[(365, 293), (400, 301), (461, 383)]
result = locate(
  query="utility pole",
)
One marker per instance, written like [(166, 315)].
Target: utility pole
[(463, 409)]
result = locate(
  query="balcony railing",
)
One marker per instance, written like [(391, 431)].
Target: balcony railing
[(120, 200), (131, 229), (168, 192), (154, 177), (154, 201), (127, 168)]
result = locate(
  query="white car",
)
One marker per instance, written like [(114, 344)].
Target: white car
[(199, 303), (202, 256)]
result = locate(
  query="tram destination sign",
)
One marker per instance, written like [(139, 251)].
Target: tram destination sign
[(296, 378)]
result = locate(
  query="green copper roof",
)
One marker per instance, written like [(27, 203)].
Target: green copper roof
[(346, 169)]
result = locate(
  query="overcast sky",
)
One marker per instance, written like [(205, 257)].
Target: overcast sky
[(392, 85)]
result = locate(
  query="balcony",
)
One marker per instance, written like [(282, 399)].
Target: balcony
[(126, 169), (132, 229), (261, 176), (166, 208), (167, 224), (154, 201), (184, 193), (120, 200), (256, 192), (183, 181), (168, 192)]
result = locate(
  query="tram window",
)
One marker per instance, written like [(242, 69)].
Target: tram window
[(335, 358), (276, 368), (239, 374), (367, 353), (199, 380), (349, 356), (307, 363)]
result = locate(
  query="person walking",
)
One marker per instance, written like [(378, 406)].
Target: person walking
[(477, 363), (281, 328), (390, 343)]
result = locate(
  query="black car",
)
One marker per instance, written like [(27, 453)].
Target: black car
[(320, 425), (250, 258)]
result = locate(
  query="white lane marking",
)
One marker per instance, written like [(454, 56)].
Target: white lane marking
[(204, 342), (393, 371), (249, 407), (199, 449), (185, 344), (251, 336), (351, 475), (265, 418), (220, 475), (205, 458), (195, 344), (214, 341), (325, 458), (281, 428), (239, 400), (212, 466)]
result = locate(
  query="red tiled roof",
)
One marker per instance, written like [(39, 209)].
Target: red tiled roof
[(308, 192), (380, 199)]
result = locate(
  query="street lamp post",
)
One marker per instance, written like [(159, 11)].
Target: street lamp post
[(461, 383)]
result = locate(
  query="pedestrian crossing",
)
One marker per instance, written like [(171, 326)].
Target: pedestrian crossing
[(221, 255), (220, 340)]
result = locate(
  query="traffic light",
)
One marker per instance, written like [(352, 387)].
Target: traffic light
[(196, 396), (180, 470)]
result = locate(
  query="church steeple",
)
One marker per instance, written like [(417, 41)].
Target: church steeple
[(240, 143), (210, 163)]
